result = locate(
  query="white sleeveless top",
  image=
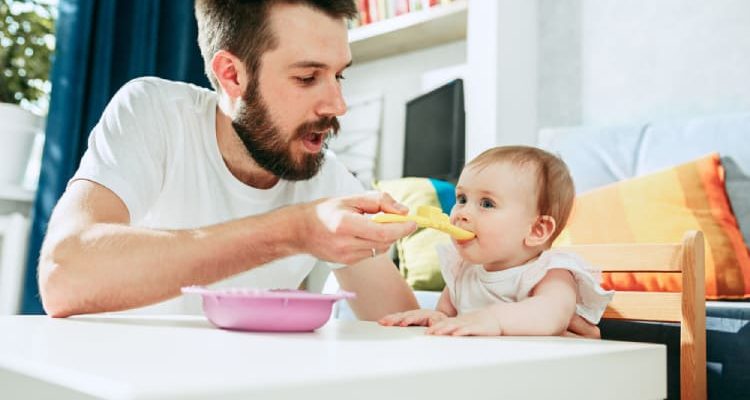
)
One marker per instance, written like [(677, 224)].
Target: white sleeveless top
[(471, 287)]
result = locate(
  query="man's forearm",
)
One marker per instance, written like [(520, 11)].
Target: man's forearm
[(380, 288), (109, 267)]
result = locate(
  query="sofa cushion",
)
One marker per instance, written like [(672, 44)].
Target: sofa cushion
[(598, 156), (738, 190), (661, 207), (418, 260)]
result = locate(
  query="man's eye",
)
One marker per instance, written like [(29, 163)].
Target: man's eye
[(340, 77), (306, 79), (461, 199), (487, 203)]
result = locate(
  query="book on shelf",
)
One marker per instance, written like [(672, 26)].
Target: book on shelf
[(378, 10)]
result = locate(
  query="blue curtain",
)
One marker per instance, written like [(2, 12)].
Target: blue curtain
[(102, 44)]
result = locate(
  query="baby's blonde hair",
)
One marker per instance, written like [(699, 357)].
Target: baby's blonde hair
[(555, 188)]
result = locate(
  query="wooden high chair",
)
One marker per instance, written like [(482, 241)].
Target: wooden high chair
[(688, 307)]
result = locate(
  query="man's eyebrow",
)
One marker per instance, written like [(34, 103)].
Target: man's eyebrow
[(315, 64)]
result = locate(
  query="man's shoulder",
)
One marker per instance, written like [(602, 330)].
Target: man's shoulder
[(157, 88)]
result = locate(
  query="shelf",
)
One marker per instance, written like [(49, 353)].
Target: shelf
[(409, 32), (15, 193)]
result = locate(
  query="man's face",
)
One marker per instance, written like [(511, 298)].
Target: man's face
[(290, 108)]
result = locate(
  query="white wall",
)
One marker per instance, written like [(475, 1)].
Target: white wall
[(642, 60), (597, 62), (399, 79), (559, 57)]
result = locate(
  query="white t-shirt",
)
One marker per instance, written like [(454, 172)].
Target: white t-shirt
[(472, 287), (155, 147)]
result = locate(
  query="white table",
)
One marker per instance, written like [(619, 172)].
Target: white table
[(133, 357)]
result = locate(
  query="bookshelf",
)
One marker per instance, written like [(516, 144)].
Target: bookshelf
[(409, 32)]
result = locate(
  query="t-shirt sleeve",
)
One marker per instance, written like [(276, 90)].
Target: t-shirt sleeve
[(126, 149), (346, 183), (591, 299)]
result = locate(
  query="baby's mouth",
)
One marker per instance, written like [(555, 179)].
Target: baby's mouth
[(465, 241)]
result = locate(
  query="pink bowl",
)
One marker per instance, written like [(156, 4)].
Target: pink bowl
[(267, 310)]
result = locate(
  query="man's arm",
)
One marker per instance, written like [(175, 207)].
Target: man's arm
[(380, 288), (93, 261)]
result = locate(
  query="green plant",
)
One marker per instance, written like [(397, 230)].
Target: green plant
[(27, 42)]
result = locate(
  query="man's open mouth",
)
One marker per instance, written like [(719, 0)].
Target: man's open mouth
[(314, 140)]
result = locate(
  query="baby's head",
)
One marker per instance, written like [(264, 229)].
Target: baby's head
[(516, 199)]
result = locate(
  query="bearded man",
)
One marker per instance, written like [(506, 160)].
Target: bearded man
[(186, 186)]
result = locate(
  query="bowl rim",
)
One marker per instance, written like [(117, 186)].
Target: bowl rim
[(267, 293)]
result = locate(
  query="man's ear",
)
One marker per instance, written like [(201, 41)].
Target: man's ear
[(541, 230), (230, 72)]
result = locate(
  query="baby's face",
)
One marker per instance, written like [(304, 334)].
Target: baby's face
[(497, 202)]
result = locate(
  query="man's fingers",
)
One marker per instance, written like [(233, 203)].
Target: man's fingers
[(373, 202), (362, 227), (389, 205)]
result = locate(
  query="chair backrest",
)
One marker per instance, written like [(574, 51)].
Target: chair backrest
[(687, 307)]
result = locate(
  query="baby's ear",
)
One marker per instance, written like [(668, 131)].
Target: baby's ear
[(540, 231)]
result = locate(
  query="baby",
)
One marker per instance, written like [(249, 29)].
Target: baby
[(507, 280)]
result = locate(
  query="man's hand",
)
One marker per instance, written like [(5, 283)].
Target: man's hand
[(579, 327), (478, 323), (423, 317), (338, 230)]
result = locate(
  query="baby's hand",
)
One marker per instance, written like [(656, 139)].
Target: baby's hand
[(423, 317), (479, 323)]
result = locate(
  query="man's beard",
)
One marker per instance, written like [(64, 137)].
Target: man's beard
[(265, 143)]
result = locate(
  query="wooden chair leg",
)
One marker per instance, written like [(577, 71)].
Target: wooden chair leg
[(693, 324)]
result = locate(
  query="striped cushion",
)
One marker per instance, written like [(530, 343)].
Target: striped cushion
[(660, 207)]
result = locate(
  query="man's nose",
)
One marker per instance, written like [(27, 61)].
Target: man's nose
[(332, 104)]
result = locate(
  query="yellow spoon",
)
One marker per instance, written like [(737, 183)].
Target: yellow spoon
[(428, 217)]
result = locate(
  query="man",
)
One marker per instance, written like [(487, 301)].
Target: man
[(184, 186)]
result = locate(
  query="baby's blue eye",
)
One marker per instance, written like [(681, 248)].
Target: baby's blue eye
[(487, 203), (460, 199)]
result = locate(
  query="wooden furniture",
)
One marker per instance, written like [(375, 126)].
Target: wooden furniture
[(139, 357), (688, 307)]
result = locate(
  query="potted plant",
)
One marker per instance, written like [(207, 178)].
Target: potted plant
[(26, 45)]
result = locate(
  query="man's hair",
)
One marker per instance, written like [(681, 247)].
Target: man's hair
[(555, 189), (241, 27)]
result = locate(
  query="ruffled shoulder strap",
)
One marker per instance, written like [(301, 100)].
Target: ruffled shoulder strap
[(591, 299)]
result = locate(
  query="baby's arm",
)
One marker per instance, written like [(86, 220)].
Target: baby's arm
[(445, 305), (422, 317), (546, 312)]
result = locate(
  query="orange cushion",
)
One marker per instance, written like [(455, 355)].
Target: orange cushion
[(659, 208)]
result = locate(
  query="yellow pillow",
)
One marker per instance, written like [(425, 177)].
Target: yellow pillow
[(660, 207), (418, 260)]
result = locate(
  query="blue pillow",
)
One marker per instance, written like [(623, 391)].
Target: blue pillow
[(738, 191)]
